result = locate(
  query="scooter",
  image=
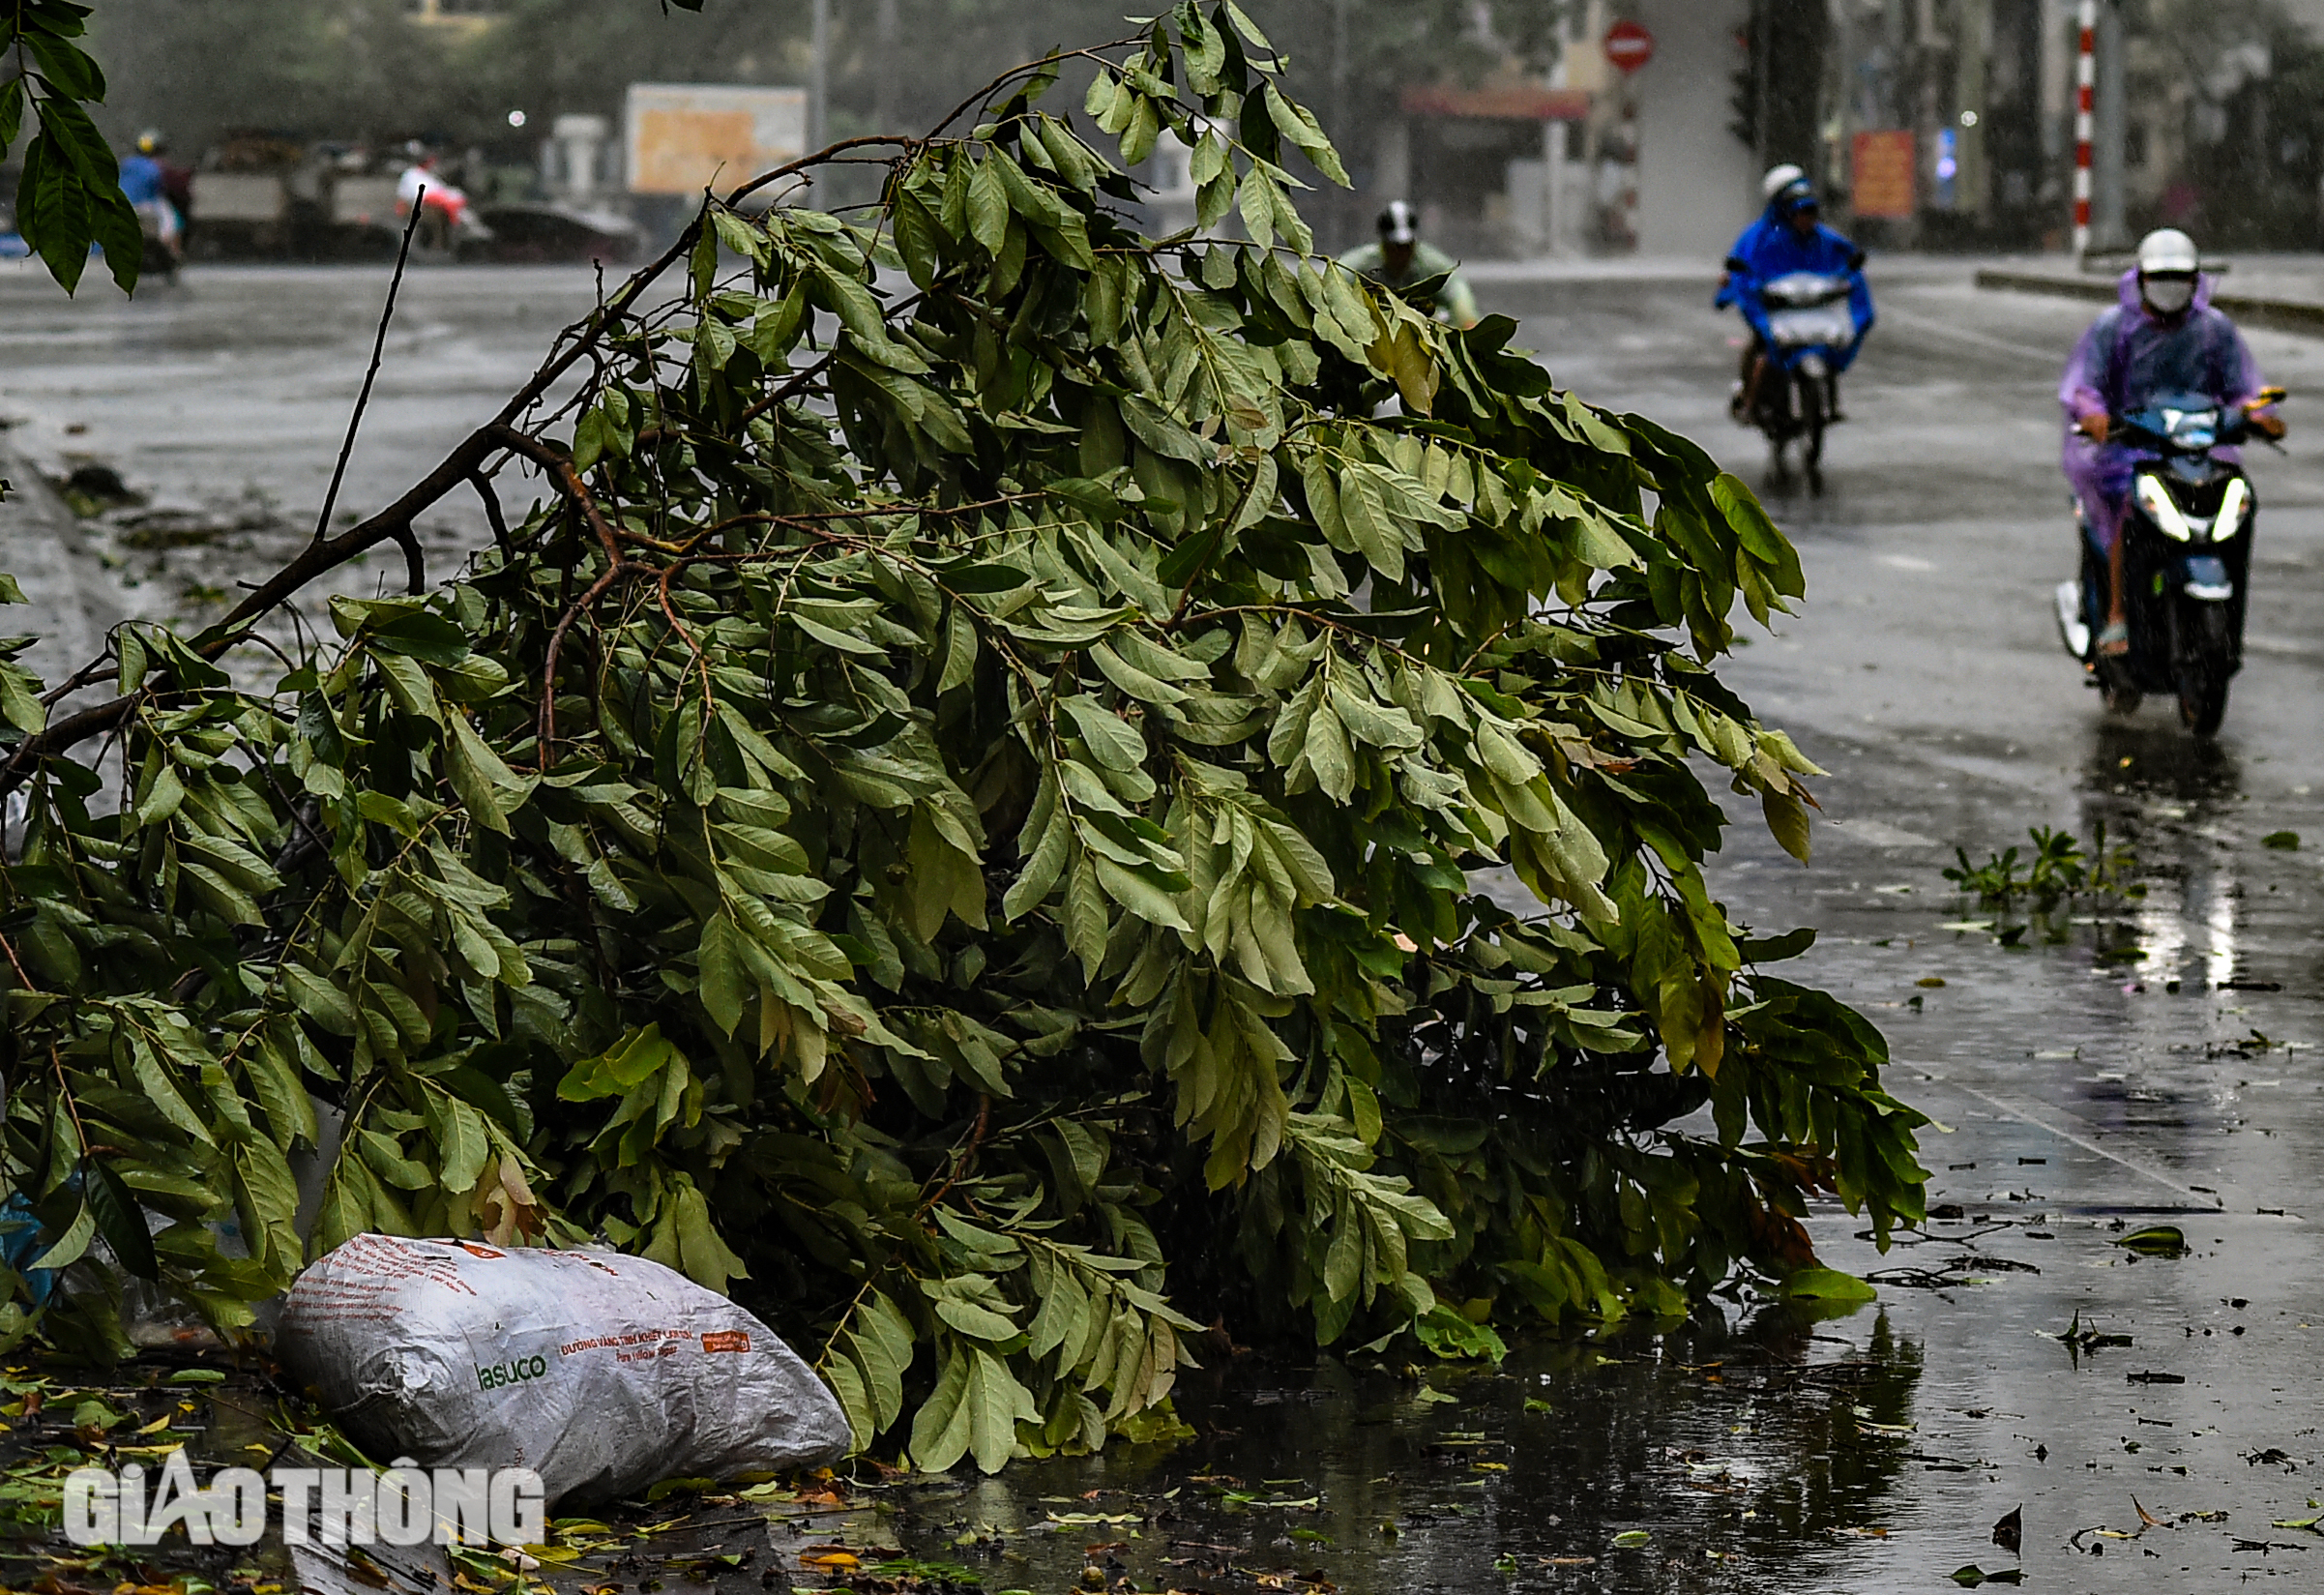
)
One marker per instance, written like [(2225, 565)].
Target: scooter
[(2187, 535), (1793, 391)]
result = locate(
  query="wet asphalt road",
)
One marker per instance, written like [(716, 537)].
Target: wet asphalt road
[(2085, 1098), (2083, 1091)]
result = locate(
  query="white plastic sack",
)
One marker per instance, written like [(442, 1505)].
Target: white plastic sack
[(599, 1371)]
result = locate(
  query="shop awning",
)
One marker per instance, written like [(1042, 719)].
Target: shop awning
[(1502, 103)]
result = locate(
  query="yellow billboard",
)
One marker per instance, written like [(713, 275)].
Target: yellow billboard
[(683, 137)]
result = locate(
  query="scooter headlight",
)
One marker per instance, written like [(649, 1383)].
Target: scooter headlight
[(2163, 509), (2235, 508)]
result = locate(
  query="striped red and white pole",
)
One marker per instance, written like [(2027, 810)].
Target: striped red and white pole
[(2085, 74)]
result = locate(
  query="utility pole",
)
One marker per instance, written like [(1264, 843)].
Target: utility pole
[(2108, 217), (1343, 204), (2084, 122), (818, 85)]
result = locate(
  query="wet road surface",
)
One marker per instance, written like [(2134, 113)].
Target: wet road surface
[(2114, 1064)]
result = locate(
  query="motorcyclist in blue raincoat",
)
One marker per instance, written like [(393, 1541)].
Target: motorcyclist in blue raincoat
[(1789, 237)]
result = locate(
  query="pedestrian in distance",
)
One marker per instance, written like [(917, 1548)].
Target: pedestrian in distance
[(145, 183), (444, 208)]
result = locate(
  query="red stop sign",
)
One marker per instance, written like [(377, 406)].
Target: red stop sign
[(1629, 45)]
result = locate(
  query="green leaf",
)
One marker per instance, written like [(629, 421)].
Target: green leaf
[(640, 1054), (2156, 1240), (20, 700), (1826, 1285), (994, 1400), (463, 1143), (119, 1219), (708, 1261), (959, 651), (1297, 124), (941, 1428), (725, 978), (1787, 821), (987, 207), (69, 1245)]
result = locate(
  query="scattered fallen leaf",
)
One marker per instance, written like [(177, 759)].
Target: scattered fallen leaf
[(2283, 842), (2156, 1240), (2010, 1532), (1930, 981), (1634, 1537)]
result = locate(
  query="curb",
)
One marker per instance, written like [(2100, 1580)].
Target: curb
[(2291, 315)]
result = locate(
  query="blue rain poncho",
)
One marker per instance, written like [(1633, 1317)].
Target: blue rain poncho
[(2128, 358)]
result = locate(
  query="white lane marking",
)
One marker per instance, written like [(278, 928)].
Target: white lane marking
[(2043, 1121)]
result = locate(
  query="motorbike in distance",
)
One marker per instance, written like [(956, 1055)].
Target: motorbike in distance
[(2186, 530), (1791, 395)]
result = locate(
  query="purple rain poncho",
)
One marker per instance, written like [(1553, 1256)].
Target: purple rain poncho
[(2123, 362)]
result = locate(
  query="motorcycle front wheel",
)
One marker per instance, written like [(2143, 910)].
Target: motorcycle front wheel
[(2202, 704), (1812, 425), (2202, 672)]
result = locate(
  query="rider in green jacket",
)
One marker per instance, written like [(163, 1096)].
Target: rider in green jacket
[(1401, 259)]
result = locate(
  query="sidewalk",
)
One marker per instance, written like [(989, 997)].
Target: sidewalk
[(2283, 291)]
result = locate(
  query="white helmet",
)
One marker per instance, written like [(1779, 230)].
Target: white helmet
[(2168, 266), (2168, 251), (1779, 178)]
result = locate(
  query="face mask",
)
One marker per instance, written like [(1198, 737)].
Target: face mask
[(2168, 295)]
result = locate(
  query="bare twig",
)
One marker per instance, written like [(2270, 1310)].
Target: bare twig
[(484, 491), (559, 468), (617, 571), (415, 565), (362, 399), (1030, 69), (968, 1153)]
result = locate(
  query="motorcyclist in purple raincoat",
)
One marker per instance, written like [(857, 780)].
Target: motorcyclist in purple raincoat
[(2163, 338)]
